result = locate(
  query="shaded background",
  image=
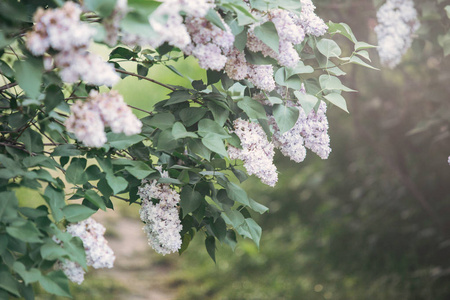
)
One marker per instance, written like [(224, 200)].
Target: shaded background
[(371, 222)]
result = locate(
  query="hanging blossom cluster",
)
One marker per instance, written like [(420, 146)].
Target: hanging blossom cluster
[(89, 119), (310, 131), (61, 30), (112, 23), (162, 223), (397, 22), (257, 152), (291, 30), (98, 253), (209, 44)]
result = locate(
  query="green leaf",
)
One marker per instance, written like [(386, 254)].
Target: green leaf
[(292, 82), (363, 45), (39, 160), (198, 148), (161, 121), (343, 29), (29, 76), (328, 82), (75, 172), (104, 7), (254, 229), (121, 52), (77, 212), (285, 116), (26, 232), (220, 114), (337, 100), (268, 34), (215, 144), (8, 205), (66, 150), (230, 239), (257, 58), (166, 141), (210, 244), (237, 194), (56, 283), (142, 70), (329, 48), (219, 228), (28, 276), (244, 17), (95, 199), (179, 131), (190, 200), (356, 60), (7, 282), (215, 18), (252, 108), (122, 141), (53, 97), (139, 169), (299, 69), (192, 115), (55, 199), (209, 127), (258, 207), (117, 184), (307, 101), (52, 251)]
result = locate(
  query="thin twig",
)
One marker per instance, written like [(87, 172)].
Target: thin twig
[(146, 78), (140, 109), (8, 86)]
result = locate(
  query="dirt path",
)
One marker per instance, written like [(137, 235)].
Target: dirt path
[(137, 266)]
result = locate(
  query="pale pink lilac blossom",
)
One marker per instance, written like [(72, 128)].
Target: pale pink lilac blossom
[(88, 119), (62, 30), (98, 253), (162, 223), (397, 22), (257, 152)]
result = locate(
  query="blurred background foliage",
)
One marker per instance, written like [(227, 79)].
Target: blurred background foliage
[(372, 221)]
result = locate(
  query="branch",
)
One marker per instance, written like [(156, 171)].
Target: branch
[(8, 86), (146, 78)]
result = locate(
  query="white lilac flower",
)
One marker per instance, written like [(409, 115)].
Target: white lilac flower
[(86, 66), (261, 76), (86, 123), (311, 23), (162, 223), (72, 270), (98, 253), (89, 119), (115, 113), (236, 66), (257, 152), (209, 44), (397, 22), (289, 34), (60, 29), (315, 132)]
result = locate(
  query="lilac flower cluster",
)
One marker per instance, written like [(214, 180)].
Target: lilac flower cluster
[(209, 44), (289, 34), (257, 152), (88, 119), (238, 68), (397, 22), (311, 23), (98, 253), (62, 30), (162, 223)]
